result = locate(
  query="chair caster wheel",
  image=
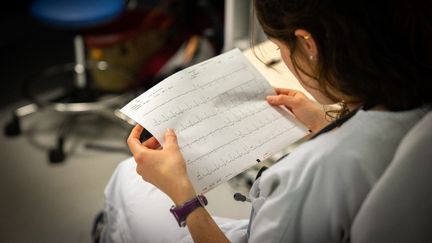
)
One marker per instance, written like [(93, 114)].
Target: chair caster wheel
[(13, 127), (56, 156)]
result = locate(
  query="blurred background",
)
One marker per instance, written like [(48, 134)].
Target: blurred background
[(66, 68)]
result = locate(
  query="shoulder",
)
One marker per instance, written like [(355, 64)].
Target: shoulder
[(318, 188), (364, 145)]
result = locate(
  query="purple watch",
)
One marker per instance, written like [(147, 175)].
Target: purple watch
[(181, 212)]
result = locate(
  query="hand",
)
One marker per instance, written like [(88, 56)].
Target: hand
[(306, 111), (164, 167)]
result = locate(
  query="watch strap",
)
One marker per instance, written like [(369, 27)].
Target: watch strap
[(181, 212)]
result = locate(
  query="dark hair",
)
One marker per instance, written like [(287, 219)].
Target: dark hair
[(373, 52)]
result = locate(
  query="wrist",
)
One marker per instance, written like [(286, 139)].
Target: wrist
[(183, 193), (182, 212)]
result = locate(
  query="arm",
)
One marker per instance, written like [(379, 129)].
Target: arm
[(166, 169), (306, 111)]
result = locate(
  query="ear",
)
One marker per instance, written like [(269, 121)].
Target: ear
[(308, 43)]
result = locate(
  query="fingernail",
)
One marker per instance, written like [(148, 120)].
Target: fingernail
[(169, 130), (270, 98)]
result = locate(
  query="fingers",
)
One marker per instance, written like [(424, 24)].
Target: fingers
[(137, 130), (285, 100), (139, 149), (284, 91), (151, 143), (133, 140), (170, 138)]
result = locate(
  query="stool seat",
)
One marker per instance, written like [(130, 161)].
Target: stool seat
[(76, 14)]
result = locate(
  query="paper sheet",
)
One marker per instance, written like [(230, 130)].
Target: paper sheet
[(218, 110)]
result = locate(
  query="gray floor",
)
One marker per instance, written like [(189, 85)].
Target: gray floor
[(43, 202)]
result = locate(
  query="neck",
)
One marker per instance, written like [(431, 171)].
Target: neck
[(353, 106)]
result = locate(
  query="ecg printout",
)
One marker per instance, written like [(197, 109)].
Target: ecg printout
[(218, 110)]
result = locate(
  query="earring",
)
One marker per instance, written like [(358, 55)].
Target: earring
[(311, 57), (306, 37)]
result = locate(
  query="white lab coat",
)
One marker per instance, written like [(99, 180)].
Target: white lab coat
[(312, 195)]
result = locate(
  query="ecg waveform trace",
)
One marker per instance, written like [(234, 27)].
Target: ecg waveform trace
[(219, 113)]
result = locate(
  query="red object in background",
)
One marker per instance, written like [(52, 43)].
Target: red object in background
[(142, 41), (138, 43), (130, 24)]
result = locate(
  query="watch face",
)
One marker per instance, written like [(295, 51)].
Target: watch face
[(202, 200)]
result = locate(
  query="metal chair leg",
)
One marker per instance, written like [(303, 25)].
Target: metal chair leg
[(13, 127), (57, 154)]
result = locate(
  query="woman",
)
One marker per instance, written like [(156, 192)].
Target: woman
[(372, 59)]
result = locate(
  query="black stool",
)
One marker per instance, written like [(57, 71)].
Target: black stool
[(81, 98)]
